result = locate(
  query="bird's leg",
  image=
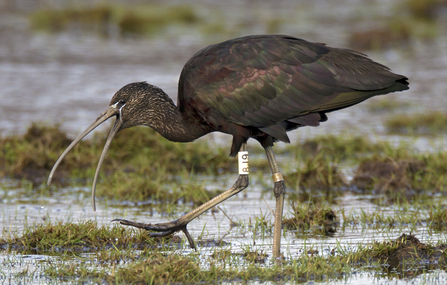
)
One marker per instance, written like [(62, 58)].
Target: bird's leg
[(165, 229), (279, 191)]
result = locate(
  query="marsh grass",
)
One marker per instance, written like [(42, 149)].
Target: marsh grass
[(30, 155), (407, 252), (114, 258), (431, 123), (379, 219), (405, 214), (170, 269), (97, 18), (158, 268), (157, 188), (381, 37), (83, 236), (437, 217), (385, 105), (249, 254), (402, 174), (137, 166), (386, 174), (104, 18), (413, 20), (314, 219), (257, 256), (337, 148), (149, 19), (316, 173), (262, 225), (143, 166), (424, 9), (378, 167)]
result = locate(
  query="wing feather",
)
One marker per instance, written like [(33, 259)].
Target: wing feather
[(262, 81)]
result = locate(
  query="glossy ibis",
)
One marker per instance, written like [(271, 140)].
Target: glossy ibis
[(257, 87)]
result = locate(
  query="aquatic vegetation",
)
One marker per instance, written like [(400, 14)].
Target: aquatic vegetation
[(414, 19), (386, 174), (255, 256), (406, 216), (404, 255), (121, 255), (311, 218), (148, 20), (139, 162), (142, 166), (337, 148), (158, 268), (424, 9), (386, 105), (380, 37), (83, 236), (28, 156), (407, 252), (437, 217), (316, 173), (408, 175), (416, 124), (108, 19)]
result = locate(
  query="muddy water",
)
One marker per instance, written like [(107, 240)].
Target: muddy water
[(70, 78)]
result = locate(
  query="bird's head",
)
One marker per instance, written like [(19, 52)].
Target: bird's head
[(126, 105)]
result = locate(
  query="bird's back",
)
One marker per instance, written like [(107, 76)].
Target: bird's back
[(276, 83)]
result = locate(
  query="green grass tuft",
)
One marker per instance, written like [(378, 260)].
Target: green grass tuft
[(84, 236), (318, 219)]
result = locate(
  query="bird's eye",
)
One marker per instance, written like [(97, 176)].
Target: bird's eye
[(122, 102)]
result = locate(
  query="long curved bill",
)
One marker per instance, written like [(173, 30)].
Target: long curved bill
[(110, 112), (113, 131)]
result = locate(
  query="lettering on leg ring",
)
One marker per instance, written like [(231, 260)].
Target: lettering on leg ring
[(242, 158), (277, 177)]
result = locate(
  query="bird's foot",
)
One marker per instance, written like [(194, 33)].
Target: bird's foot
[(161, 229)]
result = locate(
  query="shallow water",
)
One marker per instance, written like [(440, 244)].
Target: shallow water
[(74, 205), (70, 78)]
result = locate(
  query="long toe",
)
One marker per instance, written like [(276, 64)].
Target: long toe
[(133, 224), (163, 229), (160, 227), (161, 234)]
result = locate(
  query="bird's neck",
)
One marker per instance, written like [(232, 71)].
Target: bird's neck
[(175, 126)]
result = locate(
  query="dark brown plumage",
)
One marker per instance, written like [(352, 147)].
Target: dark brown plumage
[(257, 87)]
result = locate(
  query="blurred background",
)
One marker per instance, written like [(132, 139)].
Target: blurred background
[(61, 61)]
